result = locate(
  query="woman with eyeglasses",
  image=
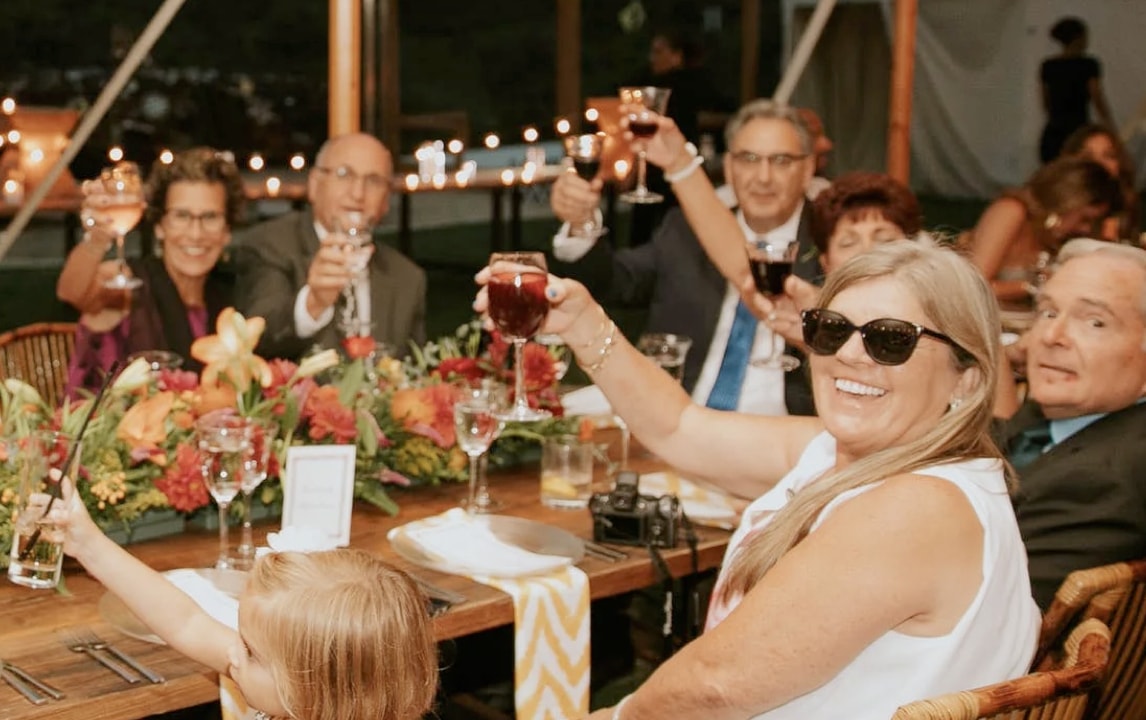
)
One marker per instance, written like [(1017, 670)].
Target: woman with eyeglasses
[(192, 204), (880, 562)]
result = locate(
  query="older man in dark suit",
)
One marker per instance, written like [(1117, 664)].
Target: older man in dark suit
[(768, 165), (1079, 444), (297, 270)]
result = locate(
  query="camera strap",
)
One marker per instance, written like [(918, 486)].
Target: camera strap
[(690, 612)]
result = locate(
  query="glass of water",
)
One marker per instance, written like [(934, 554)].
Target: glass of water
[(667, 350), (224, 448), (39, 461)]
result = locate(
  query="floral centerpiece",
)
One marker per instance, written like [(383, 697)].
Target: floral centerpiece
[(139, 452)]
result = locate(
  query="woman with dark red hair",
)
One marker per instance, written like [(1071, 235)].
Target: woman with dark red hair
[(859, 211)]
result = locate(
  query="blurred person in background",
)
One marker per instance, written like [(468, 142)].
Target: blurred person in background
[(1103, 146), (1071, 82)]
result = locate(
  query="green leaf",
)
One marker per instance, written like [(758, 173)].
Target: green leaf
[(367, 439)]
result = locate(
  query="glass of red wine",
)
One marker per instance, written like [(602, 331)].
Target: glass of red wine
[(518, 306), (644, 105), (585, 152), (771, 264)]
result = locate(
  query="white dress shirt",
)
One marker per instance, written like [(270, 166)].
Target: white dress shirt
[(305, 326), (763, 390)]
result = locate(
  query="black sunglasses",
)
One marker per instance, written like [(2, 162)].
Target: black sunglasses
[(888, 341)]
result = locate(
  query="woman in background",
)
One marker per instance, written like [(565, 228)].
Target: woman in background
[(1100, 144), (192, 204), (1070, 82)]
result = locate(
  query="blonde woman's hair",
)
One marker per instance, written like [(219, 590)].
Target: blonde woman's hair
[(958, 303), (346, 636)]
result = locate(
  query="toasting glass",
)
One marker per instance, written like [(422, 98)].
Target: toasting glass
[(518, 306), (585, 152), (644, 105), (224, 446), (117, 195), (771, 264), (358, 232), (262, 440), (477, 425)]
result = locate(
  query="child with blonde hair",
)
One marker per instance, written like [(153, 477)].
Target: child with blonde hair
[(334, 635)]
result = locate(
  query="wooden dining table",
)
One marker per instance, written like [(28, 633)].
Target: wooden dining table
[(34, 623)]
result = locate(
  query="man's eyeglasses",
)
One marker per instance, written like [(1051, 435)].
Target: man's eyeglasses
[(212, 222), (777, 161), (348, 177), (887, 341)]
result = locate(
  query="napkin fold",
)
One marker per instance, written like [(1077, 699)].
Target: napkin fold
[(222, 607), (467, 545), (699, 503)]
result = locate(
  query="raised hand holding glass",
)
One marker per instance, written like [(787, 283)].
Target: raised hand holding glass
[(518, 307), (771, 264), (644, 104)]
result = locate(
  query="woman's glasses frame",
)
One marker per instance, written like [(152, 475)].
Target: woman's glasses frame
[(888, 341)]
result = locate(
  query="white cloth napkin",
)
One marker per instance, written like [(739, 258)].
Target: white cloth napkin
[(467, 544), (588, 401), (699, 503), (216, 603), (297, 538)]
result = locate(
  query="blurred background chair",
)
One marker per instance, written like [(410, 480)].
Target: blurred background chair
[(39, 355), (1056, 694), (1116, 595)]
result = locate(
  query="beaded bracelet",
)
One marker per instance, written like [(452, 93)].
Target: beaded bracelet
[(603, 353)]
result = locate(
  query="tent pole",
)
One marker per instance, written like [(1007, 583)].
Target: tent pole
[(902, 80), (749, 48), (803, 52), (569, 60), (91, 119), (345, 58)]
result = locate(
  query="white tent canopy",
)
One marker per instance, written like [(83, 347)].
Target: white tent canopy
[(977, 112)]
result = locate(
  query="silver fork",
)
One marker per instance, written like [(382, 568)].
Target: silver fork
[(93, 641), (75, 643)]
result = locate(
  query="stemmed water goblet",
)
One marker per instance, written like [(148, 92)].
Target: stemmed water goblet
[(224, 447), (262, 440), (644, 105), (358, 231), (585, 152), (117, 195), (477, 425), (518, 307), (771, 264)]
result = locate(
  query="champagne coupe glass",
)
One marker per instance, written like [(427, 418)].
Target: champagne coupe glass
[(224, 446), (477, 425), (771, 264), (644, 105), (518, 306), (262, 440), (585, 152), (118, 196)]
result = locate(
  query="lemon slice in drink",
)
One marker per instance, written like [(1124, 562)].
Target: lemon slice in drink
[(555, 486)]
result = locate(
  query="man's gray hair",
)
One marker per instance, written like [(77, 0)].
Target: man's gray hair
[(1082, 247), (764, 109)]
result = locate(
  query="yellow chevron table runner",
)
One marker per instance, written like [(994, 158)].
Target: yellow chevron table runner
[(551, 617)]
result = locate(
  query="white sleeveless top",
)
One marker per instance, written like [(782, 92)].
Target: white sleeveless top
[(993, 641)]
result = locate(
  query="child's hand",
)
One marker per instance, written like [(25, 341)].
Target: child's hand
[(77, 529)]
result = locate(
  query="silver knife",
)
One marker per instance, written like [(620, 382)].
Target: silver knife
[(22, 687)]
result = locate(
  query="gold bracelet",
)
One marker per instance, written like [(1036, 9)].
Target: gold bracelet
[(604, 352), (600, 329)]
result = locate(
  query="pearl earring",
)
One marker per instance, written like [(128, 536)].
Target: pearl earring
[(955, 404), (1051, 222)]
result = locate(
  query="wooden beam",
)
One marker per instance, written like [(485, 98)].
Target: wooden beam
[(389, 88), (569, 60), (749, 49), (902, 81), (345, 77)]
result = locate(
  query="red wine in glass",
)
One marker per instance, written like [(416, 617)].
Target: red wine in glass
[(517, 302), (586, 169), (642, 128), (770, 275)]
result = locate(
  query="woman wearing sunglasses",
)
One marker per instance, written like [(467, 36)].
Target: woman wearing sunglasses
[(192, 204), (880, 562)]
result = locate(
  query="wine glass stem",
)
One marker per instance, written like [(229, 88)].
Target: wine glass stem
[(247, 543), (472, 506), (519, 398), (641, 172), (119, 254), (224, 537)]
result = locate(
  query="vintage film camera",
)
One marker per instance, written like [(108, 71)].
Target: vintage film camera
[(625, 517)]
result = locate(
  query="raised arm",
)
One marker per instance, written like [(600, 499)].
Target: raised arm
[(81, 282), (162, 607), (743, 454)]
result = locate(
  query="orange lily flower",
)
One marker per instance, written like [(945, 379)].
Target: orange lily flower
[(230, 352), (143, 427)]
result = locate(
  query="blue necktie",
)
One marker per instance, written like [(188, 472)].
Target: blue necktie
[(725, 393), (1030, 444)]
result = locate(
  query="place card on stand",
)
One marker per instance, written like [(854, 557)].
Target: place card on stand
[(319, 489)]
